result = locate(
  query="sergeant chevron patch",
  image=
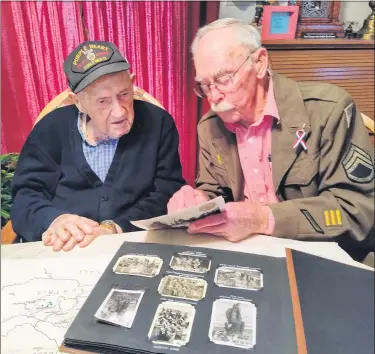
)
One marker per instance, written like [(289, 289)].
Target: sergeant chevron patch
[(358, 165)]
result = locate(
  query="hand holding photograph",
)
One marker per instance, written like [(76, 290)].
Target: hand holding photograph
[(183, 218)]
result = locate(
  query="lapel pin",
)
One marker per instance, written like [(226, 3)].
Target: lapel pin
[(300, 134)]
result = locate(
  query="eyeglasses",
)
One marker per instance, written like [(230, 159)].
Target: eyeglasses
[(222, 83)]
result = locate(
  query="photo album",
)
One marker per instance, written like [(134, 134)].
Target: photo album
[(156, 298)]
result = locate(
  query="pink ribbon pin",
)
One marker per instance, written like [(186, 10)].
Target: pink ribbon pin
[(300, 133)]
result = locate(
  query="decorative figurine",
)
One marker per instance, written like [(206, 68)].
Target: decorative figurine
[(257, 21), (349, 32), (368, 28)]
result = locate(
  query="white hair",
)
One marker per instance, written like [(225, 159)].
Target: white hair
[(246, 35)]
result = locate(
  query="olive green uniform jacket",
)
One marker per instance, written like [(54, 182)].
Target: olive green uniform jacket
[(324, 192)]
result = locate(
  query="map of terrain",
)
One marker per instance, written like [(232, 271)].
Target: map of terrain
[(40, 298)]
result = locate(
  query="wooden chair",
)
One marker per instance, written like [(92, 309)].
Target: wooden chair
[(64, 99), (369, 123)]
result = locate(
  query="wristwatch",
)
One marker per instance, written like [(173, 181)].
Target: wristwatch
[(110, 225)]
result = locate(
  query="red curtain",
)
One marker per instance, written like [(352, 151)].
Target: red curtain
[(35, 39), (154, 36)]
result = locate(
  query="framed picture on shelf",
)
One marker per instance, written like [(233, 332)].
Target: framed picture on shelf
[(279, 22), (319, 19)]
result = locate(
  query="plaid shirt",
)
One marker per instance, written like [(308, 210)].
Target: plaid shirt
[(98, 156)]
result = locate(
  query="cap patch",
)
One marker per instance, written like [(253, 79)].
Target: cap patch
[(89, 56)]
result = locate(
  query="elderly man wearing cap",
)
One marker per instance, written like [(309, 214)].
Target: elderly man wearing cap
[(88, 168), (292, 159)]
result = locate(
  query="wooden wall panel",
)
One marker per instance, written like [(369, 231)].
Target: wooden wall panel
[(346, 63)]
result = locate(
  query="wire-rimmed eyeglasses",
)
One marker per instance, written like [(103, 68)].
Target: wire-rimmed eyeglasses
[(222, 83)]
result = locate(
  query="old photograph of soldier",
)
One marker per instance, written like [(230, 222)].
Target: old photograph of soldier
[(233, 323), (172, 324), (187, 263), (183, 287), (120, 307), (144, 266), (239, 278)]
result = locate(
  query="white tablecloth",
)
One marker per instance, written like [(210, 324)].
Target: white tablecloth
[(42, 291)]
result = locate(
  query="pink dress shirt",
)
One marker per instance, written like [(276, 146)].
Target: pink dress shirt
[(254, 148)]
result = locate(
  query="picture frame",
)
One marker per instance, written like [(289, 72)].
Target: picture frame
[(279, 22), (319, 19)]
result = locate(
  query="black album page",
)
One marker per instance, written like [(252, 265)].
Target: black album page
[(156, 298)]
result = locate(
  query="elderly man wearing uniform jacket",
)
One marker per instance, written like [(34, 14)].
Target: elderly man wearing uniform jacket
[(89, 168), (292, 160)]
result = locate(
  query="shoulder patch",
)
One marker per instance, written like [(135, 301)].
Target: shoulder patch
[(349, 114), (358, 165)]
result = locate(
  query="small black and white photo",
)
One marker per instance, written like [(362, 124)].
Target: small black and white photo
[(182, 218), (191, 264), (239, 278), (120, 307), (172, 324), (143, 266), (183, 287), (233, 323)]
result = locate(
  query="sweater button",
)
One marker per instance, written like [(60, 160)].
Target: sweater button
[(104, 198)]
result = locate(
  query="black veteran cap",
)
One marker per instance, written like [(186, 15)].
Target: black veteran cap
[(91, 60)]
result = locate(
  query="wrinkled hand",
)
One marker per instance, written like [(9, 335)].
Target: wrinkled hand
[(99, 230), (186, 197), (68, 230), (238, 221), (65, 229)]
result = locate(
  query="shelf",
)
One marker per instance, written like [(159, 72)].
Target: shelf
[(299, 43)]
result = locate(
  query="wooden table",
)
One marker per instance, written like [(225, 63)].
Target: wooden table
[(30, 330)]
